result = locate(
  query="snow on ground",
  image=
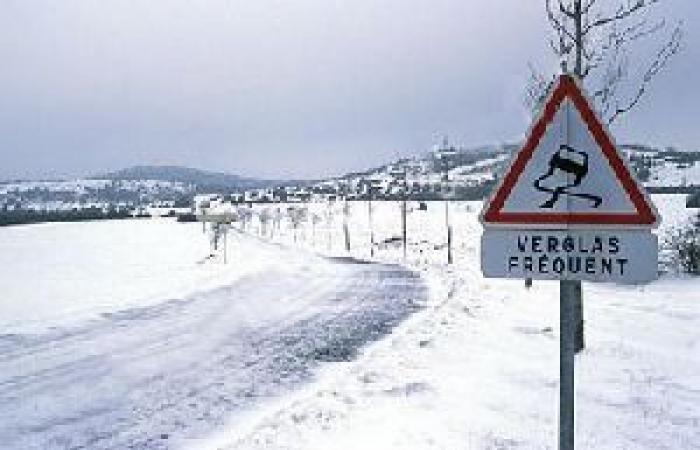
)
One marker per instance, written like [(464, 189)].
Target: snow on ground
[(480, 171), (156, 375), (56, 273), (273, 350), (673, 212), (478, 369)]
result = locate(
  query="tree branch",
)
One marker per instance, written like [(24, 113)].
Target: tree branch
[(536, 90), (556, 22), (672, 47), (565, 11), (586, 7), (623, 12), (615, 41)]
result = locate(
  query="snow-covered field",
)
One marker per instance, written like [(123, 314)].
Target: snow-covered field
[(158, 368), (56, 273), (477, 368)]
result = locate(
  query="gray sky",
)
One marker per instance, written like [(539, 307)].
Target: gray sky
[(301, 88)]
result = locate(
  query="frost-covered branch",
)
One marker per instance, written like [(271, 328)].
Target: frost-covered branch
[(594, 41), (660, 61)]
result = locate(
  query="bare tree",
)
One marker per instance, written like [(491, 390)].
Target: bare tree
[(329, 216), (600, 42), (346, 230), (594, 40), (264, 218), (315, 220), (297, 216)]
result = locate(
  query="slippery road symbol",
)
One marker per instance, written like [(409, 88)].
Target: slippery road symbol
[(549, 185), (572, 162)]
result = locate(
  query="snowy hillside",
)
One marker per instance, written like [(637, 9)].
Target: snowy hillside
[(202, 179), (665, 168), (674, 174), (132, 190), (84, 194), (445, 172), (458, 173)]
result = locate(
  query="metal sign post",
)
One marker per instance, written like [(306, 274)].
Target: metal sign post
[(569, 209), (568, 291)]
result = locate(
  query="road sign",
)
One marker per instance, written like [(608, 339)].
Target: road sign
[(569, 209), (621, 256), (569, 173)]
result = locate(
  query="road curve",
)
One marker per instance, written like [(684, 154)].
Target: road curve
[(148, 378)]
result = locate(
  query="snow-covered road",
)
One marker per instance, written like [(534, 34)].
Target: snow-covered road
[(159, 375)]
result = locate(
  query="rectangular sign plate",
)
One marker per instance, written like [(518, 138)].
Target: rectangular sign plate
[(620, 256)]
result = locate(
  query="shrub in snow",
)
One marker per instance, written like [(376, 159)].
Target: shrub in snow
[(683, 248)]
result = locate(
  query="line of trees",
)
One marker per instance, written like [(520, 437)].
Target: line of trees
[(26, 216)]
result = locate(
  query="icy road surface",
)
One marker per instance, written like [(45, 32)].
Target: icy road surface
[(157, 376)]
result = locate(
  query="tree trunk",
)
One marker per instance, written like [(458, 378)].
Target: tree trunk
[(449, 231), (578, 24), (371, 227), (346, 231), (403, 227)]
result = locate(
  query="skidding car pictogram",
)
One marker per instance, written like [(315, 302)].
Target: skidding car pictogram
[(572, 162)]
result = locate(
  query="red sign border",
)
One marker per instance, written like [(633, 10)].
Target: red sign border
[(567, 86)]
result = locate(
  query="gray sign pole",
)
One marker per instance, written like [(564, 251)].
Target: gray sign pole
[(568, 290)]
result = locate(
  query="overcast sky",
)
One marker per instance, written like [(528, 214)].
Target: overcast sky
[(285, 88)]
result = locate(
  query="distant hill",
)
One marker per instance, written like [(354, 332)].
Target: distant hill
[(467, 173), (202, 179)]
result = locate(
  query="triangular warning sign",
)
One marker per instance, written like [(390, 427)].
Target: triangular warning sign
[(569, 173)]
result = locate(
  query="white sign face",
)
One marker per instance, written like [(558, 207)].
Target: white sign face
[(606, 256), (569, 174)]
